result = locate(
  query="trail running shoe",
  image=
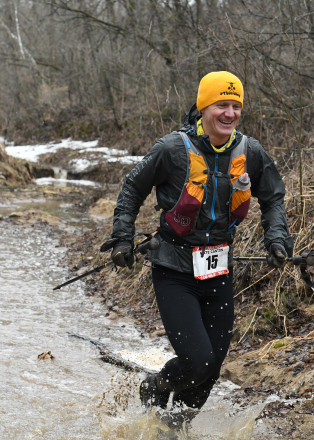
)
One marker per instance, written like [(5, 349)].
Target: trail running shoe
[(177, 419), (150, 395)]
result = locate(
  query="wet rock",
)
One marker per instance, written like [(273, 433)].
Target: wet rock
[(46, 355)]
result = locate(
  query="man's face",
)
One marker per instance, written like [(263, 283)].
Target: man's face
[(220, 119)]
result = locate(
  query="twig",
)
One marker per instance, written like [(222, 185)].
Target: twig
[(284, 323), (248, 326), (246, 288), (277, 296)]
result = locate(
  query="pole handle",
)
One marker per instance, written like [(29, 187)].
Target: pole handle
[(149, 243)]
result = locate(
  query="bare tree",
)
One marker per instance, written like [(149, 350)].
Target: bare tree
[(141, 61)]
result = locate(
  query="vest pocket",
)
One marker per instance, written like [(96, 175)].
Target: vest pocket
[(183, 215), (240, 203)]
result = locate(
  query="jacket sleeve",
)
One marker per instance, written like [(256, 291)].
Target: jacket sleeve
[(152, 170), (268, 187)]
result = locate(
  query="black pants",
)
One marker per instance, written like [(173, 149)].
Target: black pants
[(198, 319)]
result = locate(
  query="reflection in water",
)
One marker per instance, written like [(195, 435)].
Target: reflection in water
[(75, 395)]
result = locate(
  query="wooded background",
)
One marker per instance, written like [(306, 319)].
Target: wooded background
[(87, 67)]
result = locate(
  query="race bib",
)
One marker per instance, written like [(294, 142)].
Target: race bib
[(211, 263)]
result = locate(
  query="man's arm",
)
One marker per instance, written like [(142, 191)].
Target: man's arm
[(152, 170), (268, 187)]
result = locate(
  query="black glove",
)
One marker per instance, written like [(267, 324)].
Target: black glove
[(122, 254), (277, 255)]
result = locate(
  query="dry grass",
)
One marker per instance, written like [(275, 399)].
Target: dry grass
[(275, 301)]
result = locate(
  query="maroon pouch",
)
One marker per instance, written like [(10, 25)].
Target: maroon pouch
[(182, 217)]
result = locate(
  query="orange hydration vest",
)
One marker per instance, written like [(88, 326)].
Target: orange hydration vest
[(183, 216)]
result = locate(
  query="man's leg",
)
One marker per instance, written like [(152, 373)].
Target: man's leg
[(217, 316), (180, 310), (182, 318), (191, 310)]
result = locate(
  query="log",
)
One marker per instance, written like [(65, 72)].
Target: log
[(112, 358)]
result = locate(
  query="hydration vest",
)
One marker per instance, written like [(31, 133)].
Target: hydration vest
[(184, 214)]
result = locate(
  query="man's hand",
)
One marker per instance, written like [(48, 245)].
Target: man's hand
[(122, 254), (277, 255)]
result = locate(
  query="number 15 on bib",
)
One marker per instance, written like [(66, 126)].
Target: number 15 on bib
[(210, 263)]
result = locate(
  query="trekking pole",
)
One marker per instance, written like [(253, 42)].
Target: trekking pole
[(149, 243), (305, 260), (85, 274), (296, 260)]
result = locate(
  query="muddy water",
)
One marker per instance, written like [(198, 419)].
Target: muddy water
[(51, 399), (75, 395)]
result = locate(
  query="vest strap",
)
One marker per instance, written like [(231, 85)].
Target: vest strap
[(240, 149)]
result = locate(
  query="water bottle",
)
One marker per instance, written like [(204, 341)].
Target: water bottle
[(242, 183)]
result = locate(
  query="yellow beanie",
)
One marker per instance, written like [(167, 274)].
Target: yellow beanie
[(219, 86)]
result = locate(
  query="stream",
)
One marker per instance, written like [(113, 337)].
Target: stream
[(75, 395)]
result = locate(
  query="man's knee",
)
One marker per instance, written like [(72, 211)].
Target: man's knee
[(202, 369)]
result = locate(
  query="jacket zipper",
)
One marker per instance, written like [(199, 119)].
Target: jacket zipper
[(212, 210)]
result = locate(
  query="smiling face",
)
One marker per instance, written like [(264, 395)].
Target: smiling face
[(220, 119)]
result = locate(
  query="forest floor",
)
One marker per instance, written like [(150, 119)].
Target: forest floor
[(272, 348)]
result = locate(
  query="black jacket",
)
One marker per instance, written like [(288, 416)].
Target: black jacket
[(165, 168)]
